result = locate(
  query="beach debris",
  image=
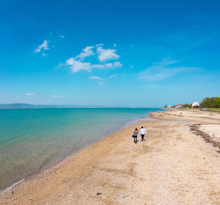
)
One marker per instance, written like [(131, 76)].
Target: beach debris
[(99, 194), (194, 128)]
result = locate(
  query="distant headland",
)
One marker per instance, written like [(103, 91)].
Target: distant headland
[(31, 106)]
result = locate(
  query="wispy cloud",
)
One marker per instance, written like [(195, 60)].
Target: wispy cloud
[(56, 96), (95, 77), (99, 45), (31, 94), (106, 54), (112, 76), (167, 61), (132, 66), (44, 45), (44, 54), (101, 83), (59, 65), (116, 64), (165, 69), (179, 42), (115, 45), (61, 36), (87, 51)]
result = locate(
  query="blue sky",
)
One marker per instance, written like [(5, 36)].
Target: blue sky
[(109, 53)]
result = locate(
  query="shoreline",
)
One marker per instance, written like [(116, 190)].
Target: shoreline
[(36, 176), (110, 163), (53, 164)]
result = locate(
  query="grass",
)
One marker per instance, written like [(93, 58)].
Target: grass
[(214, 109)]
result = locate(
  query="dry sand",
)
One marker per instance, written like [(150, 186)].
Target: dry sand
[(175, 165), (194, 115), (212, 130)]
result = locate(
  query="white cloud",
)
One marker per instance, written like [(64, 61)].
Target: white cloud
[(112, 76), (107, 54), (56, 96), (44, 54), (99, 45), (164, 69), (116, 64), (31, 94), (61, 36), (53, 46), (95, 77), (77, 65), (101, 83), (87, 51), (44, 45), (115, 45)]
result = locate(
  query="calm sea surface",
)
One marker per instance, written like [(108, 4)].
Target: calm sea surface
[(34, 139)]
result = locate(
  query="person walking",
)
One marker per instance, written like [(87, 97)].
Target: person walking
[(135, 135), (142, 132)]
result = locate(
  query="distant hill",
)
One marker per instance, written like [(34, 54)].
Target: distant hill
[(30, 106), (24, 106)]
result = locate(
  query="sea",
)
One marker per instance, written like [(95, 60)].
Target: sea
[(32, 140)]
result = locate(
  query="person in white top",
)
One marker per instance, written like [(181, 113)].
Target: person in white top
[(142, 132)]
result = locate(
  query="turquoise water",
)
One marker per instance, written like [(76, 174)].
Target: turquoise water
[(34, 139)]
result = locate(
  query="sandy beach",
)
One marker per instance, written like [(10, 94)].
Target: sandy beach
[(179, 163)]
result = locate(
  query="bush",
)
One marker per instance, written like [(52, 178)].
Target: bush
[(186, 106)]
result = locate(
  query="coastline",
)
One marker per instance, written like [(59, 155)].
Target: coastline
[(109, 165), (33, 178), (46, 166)]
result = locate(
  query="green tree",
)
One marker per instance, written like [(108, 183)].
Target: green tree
[(213, 102)]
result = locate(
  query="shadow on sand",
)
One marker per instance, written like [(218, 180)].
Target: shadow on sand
[(136, 141)]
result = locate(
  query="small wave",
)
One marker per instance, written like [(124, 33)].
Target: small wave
[(134, 121), (2, 192)]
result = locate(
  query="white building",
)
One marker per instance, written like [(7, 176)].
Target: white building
[(178, 106), (195, 104)]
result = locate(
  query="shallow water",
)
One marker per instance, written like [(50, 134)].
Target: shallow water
[(32, 139)]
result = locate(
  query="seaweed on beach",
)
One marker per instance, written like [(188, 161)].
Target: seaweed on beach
[(195, 129)]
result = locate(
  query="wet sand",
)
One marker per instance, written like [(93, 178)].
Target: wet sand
[(175, 165)]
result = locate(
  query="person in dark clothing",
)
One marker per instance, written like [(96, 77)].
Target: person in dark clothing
[(135, 135)]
